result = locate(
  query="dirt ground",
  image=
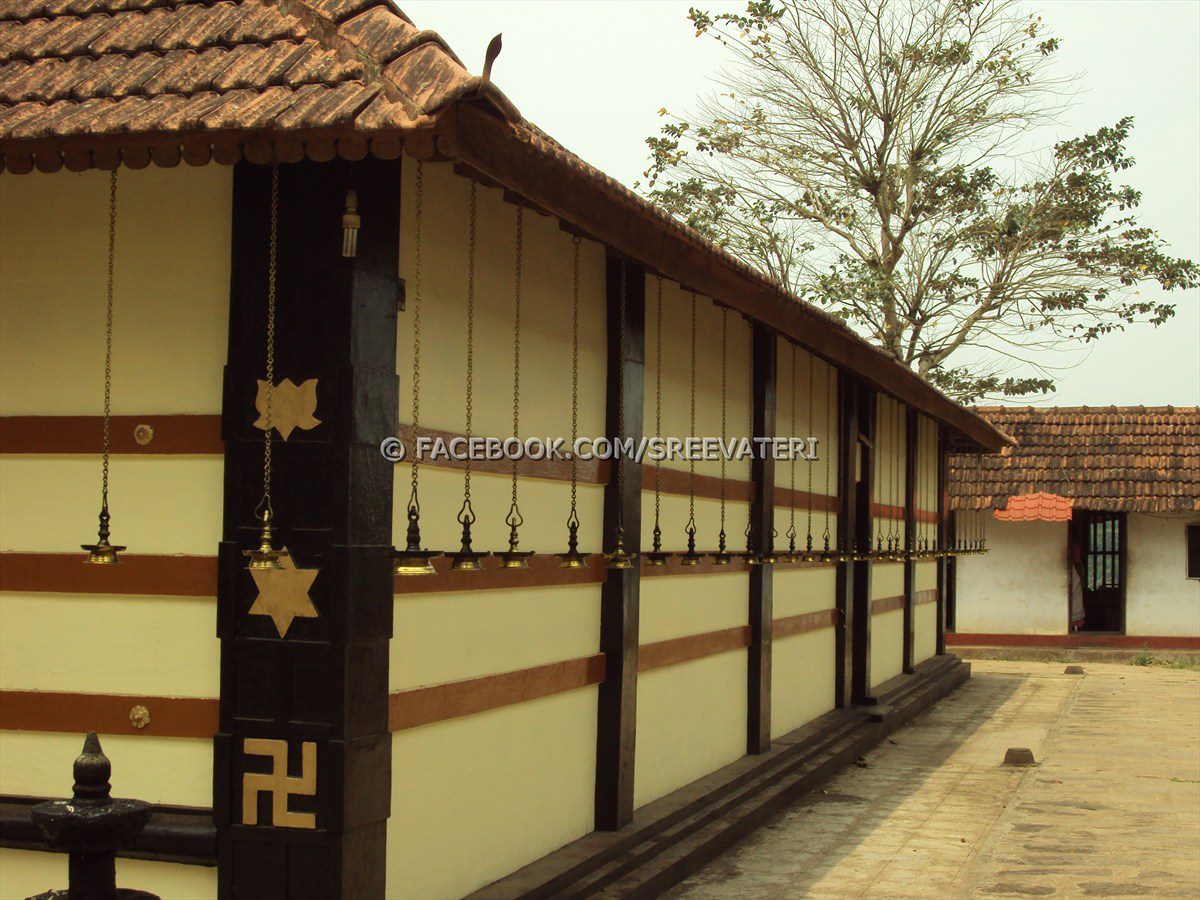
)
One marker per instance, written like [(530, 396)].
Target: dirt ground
[(1112, 808)]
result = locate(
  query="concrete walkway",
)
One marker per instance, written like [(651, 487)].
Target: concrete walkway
[(1111, 810)]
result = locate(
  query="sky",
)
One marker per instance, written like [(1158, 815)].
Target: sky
[(594, 73)]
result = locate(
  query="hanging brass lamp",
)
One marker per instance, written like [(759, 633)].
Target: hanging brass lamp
[(265, 556), (657, 556), (104, 553), (414, 559), (466, 558), (573, 559)]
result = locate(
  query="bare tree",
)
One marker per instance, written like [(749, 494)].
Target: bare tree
[(866, 155)]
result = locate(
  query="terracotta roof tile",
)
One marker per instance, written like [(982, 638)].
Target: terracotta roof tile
[(61, 57), (1039, 507), (1143, 459)]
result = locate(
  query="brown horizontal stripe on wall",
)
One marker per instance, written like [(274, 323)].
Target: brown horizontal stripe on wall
[(67, 573), (1069, 641), (884, 511), (929, 596), (678, 482), (85, 434), (693, 646), (425, 705), (803, 623), (805, 500), (886, 605), (180, 717), (592, 471)]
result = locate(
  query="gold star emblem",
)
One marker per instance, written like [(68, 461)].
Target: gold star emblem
[(283, 593), (292, 406)]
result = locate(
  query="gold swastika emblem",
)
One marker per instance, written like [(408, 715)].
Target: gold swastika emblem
[(279, 784)]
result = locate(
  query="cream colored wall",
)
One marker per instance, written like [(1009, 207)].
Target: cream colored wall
[(1019, 586), (802, 665), (926, 486), (887, 629), (160, 504), (925, 614), (177, 771), (1159, 597), (161, 646), (679, 740), (170, 335), (889, 467), (24, 873), (691, 720), (171, 291), (676, 374), (887, 646), (819, 477), (477, 797), (545, 314), (470, 795)]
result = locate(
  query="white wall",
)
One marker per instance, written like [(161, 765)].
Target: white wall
[(1159, 598), (1020, 587)]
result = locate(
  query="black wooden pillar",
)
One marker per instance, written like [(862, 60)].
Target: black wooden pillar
[(302, 768), (847, 479), (762, 526), (616, 729), (911, 446), (945, 570), (855, 525)]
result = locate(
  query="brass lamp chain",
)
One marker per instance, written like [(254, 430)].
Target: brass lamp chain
[(791, 531), (514, 520), (879, 496), (724, 428), (690, 528), (620, 468), (466, 515), (573, 559), (414, 503), (272, 253), (658, 419), (812, 397), (574, 518), (102, 551), (108, 331), (828, 403)]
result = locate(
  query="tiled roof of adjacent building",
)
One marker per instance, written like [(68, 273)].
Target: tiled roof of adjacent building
[(1117, 458), (103, 83)]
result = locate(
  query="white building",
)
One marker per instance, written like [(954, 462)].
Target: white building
[(1092, 524)]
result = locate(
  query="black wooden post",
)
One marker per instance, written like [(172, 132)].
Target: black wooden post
[(762, 523), (864, 502), (946, 564), (846, 530), (911, 445), (616, 730), (91, 827), (302, 770)]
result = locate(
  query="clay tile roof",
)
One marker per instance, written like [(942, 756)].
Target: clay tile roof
[(1039, 507), (75, 67), (1116, 458)]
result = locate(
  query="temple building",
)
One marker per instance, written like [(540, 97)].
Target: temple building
[(1093, 523), (251, 253)]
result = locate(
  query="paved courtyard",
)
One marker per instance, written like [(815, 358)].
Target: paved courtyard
[(1111, 810)]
